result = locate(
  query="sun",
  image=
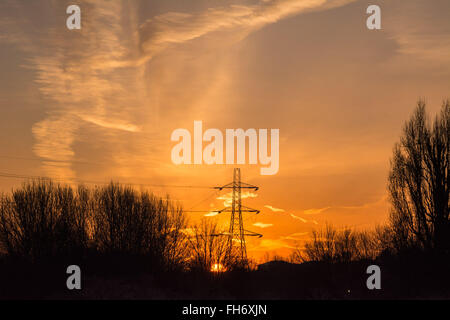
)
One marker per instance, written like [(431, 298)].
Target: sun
[(217, 267)]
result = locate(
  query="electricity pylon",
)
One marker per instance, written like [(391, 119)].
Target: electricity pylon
[(236, 232)]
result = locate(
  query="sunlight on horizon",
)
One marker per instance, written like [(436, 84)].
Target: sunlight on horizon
[(217, 267)]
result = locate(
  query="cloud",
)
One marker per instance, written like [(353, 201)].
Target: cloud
[(262, 225), (315, 211), (97, 75), (295, 236), (274, 209), (273, 244), (53, 143), (211, 214), (82, 78), (380, 201), (298, 218), (228, 197), (112, 125), (170, 28), (303, 220), (409, 25)]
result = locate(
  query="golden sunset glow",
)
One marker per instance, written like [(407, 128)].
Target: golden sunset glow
[(100, 103)]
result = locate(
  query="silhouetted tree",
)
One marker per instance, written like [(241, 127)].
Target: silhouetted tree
[(207, 248), (322, 245), (419, 182), (332, 245), (43, 219), (130, 223), (47, 220)]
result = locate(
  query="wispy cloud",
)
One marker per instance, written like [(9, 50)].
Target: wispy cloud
[(262, 225), (211, 214), (303, 220), (273, 244), (228, 197), (97, 75), (53, 143), (112, 124), (380, 201), (315, 211), (428, 42), (176, 27), (81, 76), (274, 209), (295, 236), (298, 218)]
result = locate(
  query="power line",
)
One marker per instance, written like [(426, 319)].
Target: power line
[(20, 176), (204, 211), (215, 193), (50, 160)]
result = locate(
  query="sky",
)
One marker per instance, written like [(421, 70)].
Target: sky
[(100, 103)]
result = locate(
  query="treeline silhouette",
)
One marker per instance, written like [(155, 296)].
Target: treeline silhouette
[(111, 229), (44, 221), (341, 246)]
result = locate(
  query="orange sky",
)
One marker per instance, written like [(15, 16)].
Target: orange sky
[(101, 103)]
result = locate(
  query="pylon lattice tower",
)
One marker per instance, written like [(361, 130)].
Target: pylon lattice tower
[(236, 232)]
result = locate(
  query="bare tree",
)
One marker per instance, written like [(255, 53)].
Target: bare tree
[(132, 223), (332, 245), (176, 251), (322, 245), (419, 182), (206, 248), (42, 220)]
